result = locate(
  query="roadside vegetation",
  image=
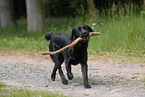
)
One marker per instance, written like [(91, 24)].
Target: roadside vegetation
[(124, 35), (123, 32), (8, 91)]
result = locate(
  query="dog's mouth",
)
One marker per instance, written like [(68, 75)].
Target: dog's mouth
[(84, 35), (86, 38)]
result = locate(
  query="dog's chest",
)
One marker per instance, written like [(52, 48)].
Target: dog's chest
[(74, 56), (74, 61)]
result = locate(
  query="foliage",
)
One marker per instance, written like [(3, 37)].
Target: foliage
[(73, 7), (56, 7)]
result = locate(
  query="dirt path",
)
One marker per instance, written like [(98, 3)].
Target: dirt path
[(107, 79)]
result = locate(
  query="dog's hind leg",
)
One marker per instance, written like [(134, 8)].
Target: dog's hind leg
[(54, 58), (63, 79), (53, 73), (58, 60)]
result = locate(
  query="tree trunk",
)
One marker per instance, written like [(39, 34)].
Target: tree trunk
[(6, 14), (91, 6), (34, 15)]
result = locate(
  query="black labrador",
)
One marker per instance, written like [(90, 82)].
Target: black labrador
[(72, 56)]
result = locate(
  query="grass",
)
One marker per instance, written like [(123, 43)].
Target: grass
[(7, 91), (123, 35)]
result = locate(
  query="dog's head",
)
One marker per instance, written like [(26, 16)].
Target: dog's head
[(80, 31)]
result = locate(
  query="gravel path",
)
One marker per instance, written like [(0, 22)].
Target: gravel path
[(107, 79)]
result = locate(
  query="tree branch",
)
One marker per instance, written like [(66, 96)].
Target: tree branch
[(70, 45)]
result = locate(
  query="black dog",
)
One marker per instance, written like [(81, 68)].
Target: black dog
[(77, 54)]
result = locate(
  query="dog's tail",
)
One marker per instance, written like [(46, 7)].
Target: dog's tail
[(49, 35)]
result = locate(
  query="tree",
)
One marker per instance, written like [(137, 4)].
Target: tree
[(34, 15), (6, 14), (91, 6)]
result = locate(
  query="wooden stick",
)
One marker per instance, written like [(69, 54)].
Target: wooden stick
[(70, 45)]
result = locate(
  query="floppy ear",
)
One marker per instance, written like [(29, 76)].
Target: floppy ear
[(73, 34)]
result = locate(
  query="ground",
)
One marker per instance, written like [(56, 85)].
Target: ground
[(108, 78)]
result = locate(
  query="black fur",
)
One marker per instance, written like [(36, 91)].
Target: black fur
[(77, 54)]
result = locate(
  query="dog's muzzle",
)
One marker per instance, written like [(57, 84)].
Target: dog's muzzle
[(84, 34)]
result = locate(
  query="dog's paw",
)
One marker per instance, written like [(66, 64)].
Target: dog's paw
[(87, 86), (64, 81), (70, 76), (52, 78)]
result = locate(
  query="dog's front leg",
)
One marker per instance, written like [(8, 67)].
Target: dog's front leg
[(84, 68), (68, 69)]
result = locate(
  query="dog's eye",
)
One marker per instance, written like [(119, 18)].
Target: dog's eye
[(79, 29), (84, 27)]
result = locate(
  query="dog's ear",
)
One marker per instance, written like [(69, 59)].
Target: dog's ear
[(73, 34)]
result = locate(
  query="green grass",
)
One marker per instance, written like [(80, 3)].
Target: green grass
[(2, 85), (124, 35), (7, 91)]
